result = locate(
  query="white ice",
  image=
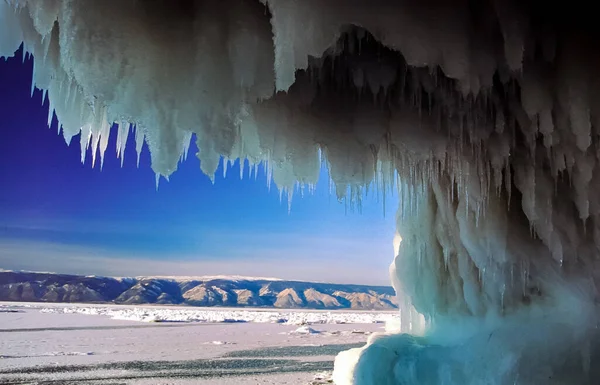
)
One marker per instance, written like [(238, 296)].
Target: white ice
[(213, 315)]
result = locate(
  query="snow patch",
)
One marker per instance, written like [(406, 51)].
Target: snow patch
[(305, 330), (50, 354), (219, 343)]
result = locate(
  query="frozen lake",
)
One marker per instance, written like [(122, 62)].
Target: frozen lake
[(100, 344)]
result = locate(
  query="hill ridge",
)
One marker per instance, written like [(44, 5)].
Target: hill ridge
[(229, 291)]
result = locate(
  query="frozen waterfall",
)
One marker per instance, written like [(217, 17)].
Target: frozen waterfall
[(484, 115)]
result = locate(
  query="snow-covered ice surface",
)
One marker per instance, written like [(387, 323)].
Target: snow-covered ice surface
[(72, 343), (217, 315)]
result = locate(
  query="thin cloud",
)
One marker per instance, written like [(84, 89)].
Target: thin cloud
[(345, 255), (360, 241), (69, 259)]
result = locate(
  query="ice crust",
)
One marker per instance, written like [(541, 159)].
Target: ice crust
[(155, 314), (484, 115)]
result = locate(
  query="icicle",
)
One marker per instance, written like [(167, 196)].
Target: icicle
[(33, 85), (139, 142), (86, 136), (225, 165), (122, 135), (186, 144), (94, 143), (104, 134), (269, 171), (50, 113), (290, 193)]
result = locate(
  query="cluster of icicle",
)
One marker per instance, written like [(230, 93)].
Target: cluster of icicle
[(486, 113)]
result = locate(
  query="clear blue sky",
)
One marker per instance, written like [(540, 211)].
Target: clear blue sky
[(59, 215)]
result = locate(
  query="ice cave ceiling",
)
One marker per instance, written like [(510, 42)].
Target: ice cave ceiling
[(488, 113)]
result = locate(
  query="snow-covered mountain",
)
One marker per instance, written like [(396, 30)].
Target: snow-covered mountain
[(193, 291)]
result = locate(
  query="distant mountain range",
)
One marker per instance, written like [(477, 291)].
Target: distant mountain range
[(193, 291)]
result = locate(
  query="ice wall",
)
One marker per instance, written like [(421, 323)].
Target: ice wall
[(486, 112)]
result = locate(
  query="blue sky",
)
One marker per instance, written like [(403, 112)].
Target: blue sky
[(57, 214)]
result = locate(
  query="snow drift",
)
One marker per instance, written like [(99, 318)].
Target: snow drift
[(486, 113)]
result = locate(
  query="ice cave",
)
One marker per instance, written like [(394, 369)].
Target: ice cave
[(483, 114)]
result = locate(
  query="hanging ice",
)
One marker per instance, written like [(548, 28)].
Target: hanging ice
[(486, 113)]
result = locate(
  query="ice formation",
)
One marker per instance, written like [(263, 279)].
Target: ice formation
[(486, 113), (158, 314)]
